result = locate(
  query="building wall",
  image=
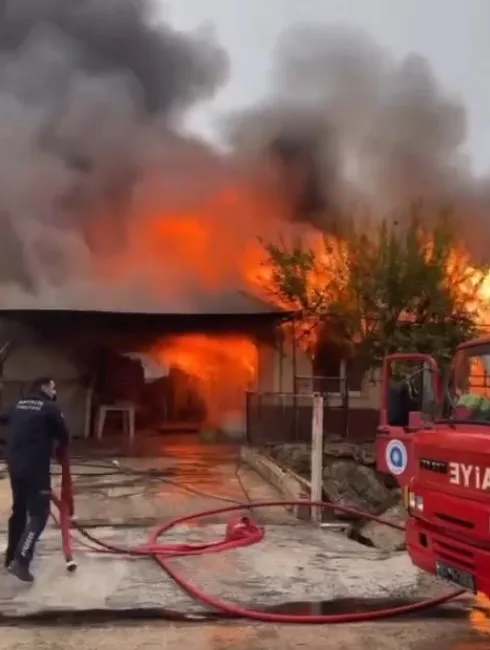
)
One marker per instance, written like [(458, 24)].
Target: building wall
[(276, 370), (267, 365), (276, 375), (29, 362), (277, 364), (369, 397)]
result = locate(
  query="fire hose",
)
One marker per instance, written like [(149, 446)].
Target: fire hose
[(241, 531)]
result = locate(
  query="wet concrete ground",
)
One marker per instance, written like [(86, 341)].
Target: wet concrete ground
[(184, 477), (294, 563)]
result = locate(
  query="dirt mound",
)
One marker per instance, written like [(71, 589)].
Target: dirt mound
[(350, 479)]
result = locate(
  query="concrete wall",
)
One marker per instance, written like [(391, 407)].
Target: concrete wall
[(28, 362)]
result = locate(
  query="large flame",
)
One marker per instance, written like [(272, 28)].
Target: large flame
[(210, 250), (197, 259), (480, 614), (220, 369), (204, 251)]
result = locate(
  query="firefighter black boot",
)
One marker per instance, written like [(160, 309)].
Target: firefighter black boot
[(21, 571)]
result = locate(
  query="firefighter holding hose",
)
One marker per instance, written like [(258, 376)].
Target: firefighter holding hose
[(34, 425)]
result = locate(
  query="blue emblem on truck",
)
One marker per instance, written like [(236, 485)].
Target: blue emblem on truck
[(396, 457)]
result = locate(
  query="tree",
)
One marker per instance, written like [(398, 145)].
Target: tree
[(401, 286)]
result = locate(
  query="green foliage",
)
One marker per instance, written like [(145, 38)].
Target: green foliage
[(400, 287)]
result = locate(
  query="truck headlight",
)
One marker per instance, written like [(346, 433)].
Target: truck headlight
[(415, 503)]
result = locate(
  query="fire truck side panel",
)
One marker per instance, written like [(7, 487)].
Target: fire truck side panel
[(450, 517), (426, 546)]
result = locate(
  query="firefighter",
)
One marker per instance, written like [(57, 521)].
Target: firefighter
[(34, 425)]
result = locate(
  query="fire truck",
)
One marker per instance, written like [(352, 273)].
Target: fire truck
[(434, 438)]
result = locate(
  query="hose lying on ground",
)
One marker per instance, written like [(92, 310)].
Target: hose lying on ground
[(240, 531)]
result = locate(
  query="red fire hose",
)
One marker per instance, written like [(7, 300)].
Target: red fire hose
[(240, 531)]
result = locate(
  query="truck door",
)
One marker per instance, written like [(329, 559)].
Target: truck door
[(409, 393)]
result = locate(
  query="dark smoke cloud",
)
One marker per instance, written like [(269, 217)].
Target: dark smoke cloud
[(298, 144), (362, 124), (171, 71), (91, 94)]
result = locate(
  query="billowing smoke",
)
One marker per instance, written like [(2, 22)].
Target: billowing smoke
[(91, 95), (363, 127)]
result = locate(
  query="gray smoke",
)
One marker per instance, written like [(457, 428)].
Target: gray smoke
[(358, 125), (91, 97)]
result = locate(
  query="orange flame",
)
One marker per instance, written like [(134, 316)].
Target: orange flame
[(181, 255), (480, 614), (220, 369)]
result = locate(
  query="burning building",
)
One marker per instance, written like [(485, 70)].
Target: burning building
[(129, 249), (173, 369)]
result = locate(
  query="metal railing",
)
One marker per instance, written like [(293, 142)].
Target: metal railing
[(280, 418), (275, 418)]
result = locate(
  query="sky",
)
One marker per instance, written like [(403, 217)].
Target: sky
[(453, 34)]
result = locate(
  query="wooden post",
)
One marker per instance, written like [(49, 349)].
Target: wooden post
[(281, 359), (316, 477), (295, 385)]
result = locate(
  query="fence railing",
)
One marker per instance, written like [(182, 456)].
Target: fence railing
[(276, 425), (275, 418), (281, 418), (278, 418)]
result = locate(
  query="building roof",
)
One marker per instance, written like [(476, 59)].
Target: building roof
[(231, 304)]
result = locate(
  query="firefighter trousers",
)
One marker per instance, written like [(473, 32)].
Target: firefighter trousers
[(30, 512)]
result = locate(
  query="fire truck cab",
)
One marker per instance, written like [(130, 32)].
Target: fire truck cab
[(435, 440)]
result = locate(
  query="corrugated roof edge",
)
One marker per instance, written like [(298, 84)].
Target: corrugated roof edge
[(230, 305)]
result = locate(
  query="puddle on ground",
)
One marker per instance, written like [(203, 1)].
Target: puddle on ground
[(364, 605), (328, 607), (98, 617)]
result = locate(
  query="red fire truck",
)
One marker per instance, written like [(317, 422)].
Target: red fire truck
[(434, 437)]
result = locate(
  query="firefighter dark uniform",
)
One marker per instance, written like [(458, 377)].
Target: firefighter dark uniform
[(35, 425)]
